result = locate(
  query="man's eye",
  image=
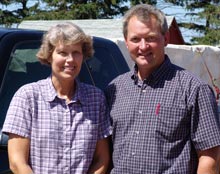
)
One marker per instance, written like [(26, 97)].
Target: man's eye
[(135, 40), (151, 39)]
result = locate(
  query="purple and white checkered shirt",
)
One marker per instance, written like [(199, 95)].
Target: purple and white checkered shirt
[(160, 123), (63, 136)]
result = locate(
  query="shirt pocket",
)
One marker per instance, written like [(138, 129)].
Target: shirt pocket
[(172, 123), (87, 135), (84, 142)]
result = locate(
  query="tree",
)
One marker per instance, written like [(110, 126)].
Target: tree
[(9, 17), (107, 9), (82, 9), (209, 12), (87, 9), (64, 9)]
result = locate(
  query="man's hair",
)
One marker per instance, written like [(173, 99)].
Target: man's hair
[(144, 13)]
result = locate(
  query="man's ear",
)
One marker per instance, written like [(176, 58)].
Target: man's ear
[(166, 38), (125, 39)]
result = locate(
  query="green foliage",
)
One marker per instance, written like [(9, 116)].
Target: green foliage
[(64, 9), (107, 9), (82, 9), (15, 16), (134, 2), (209, 11), (211, 38), (177, 2)]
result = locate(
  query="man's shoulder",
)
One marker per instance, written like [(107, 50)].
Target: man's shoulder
[(120, 82), (186, 76), (123, 77), (89, 91)]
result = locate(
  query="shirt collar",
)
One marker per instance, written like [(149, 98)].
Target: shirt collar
[(154, 76), (80, 95), (47, 89), (49, 93)]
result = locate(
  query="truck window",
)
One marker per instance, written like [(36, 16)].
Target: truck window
[(23, 67), (102, 67)]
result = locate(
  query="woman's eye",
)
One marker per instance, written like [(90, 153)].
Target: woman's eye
[(76, 54), (62, 53)]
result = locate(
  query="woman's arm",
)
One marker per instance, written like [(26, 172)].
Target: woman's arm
[(18, 152), (209, 161), (101, 158)]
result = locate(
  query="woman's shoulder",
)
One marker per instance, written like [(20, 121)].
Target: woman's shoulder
[(32, 88)]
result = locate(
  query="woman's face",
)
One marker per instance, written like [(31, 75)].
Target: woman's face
[(66, 61)]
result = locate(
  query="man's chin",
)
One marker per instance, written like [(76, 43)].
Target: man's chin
[(143, 62)]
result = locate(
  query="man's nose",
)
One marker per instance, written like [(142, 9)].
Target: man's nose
[(143, 44)]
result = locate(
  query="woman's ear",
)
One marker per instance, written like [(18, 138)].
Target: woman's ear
[(49, 60)]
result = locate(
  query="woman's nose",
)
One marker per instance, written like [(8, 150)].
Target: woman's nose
[(70, 57)]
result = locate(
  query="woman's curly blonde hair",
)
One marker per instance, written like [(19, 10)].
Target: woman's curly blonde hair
[(67, 34)]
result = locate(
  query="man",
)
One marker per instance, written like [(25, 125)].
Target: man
[(164, 119)]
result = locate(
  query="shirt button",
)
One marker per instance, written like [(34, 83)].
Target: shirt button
[(133, 153), (137, 132), (140, 112), (66, 150), (67, 170), (144, 90)]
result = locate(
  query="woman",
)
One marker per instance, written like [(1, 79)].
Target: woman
[(59, 125)]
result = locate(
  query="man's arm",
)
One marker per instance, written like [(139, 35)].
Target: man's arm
[(18, 152), (101, 157), (209, 161)]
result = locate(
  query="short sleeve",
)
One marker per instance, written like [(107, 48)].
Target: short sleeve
[(105, 128), (18, 117), (205, 120)]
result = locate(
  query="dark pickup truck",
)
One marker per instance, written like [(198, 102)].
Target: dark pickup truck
[(18, 66)]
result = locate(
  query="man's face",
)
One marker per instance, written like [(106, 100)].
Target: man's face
[(145, 43)]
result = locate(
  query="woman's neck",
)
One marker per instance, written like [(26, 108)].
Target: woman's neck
[(64, 89)]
